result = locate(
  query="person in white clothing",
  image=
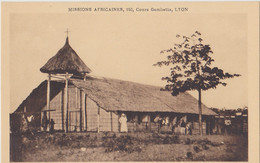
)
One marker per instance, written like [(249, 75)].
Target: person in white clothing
[(123, 123)]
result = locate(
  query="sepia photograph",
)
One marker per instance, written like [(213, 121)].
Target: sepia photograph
[(130, 81)]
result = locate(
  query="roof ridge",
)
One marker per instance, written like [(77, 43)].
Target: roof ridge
[(109, 78)]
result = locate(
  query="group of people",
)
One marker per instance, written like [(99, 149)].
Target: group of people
[(187, 127), (46, 122), (184, 127)]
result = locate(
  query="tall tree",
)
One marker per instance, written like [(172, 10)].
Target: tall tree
[(191, 68)]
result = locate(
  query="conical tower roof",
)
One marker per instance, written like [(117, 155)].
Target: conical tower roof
[(66, 60)]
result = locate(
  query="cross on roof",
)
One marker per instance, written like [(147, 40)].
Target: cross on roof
[(67, 31)]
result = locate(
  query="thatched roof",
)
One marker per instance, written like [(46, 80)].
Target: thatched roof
[(66, 60), (118, 95)]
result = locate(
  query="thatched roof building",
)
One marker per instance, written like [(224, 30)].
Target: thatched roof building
[(66, 60), (95, 104), (119, 95), (77, 102)]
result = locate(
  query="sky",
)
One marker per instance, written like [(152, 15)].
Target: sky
[(125, 46)]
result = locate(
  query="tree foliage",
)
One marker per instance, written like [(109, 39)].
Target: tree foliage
[(191, 67)]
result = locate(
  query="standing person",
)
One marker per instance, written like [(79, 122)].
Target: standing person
[(123, 123), (183, 124), (52, 126), (183, 127), (44, 122), (174, 124), (160, 124), (188, 129), (24, 126)]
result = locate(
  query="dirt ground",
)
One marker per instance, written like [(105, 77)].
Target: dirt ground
[(127, 147)]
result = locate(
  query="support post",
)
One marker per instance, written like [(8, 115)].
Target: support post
[(111, 116), (48, 94), (85, 108), (69, 121), (66, 102), (62, 110), (76, 93), (200, 113), (98, 117), (80, 110), (149, 121)]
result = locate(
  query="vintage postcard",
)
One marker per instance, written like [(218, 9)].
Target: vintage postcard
[(130, 81)]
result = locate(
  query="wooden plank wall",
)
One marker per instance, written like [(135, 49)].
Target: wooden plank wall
[(105, 120), (108, 121), (56, 104), (115, 123), (92, 111), (72, 98), (195, 130)]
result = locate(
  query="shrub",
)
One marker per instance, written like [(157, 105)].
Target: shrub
[(123, 143), (189, 155), (197, 148), (188, 141)]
